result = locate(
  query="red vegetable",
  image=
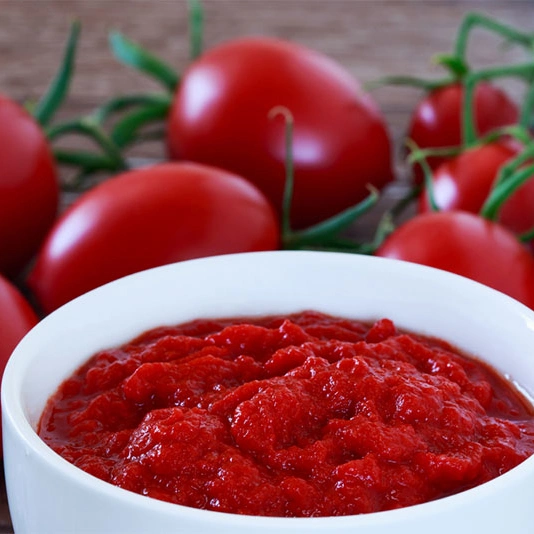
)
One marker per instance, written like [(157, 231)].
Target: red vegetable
[(436, 121), (468, 245), (464, 183), (150, 217), (220, 117), (16, 319), (29, 190)]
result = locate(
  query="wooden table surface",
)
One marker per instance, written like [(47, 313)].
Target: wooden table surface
[(371, 38)]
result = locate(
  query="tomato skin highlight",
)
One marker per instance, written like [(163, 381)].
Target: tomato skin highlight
[(465, 182), (220, 117), (29, 189), (436, 121), (468, 245), (146, 218), (17, 318)]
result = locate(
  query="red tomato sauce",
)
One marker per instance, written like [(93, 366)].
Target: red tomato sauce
[(303, 415)]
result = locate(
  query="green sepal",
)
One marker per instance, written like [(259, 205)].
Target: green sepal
[(126, 131), (47, 106), (135, 56)]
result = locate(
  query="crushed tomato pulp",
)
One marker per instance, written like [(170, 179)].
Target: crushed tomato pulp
[(303, 415)]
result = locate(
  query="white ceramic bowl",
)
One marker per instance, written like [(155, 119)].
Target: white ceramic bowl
[(49, 495)]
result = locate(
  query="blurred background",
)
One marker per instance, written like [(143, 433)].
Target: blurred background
[(372, 38)]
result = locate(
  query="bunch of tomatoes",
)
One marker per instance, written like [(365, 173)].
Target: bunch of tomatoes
[(290, 166)]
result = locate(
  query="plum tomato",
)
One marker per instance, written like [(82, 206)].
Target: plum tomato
[(219, 116), (466, 244), (149, 217), (465, 181), (29, 189), (17, 318), (436, 121)]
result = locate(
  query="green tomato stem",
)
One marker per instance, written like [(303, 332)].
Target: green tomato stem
[(341, 244), (135, 56), (512, 166), (47, 106), (87, 126), (527, 236), (471, 20), (323, 233), (419, 156), (502, 192), (410, 81), (528, 107), (515, 131), (120, 103), (398, 208), (196, 29), (86, 160), (385, 227), (522, 71), (289, 167), (326, 230), (126, 131), (454, 64)]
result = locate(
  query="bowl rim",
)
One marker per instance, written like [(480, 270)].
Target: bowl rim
[(13, 413)]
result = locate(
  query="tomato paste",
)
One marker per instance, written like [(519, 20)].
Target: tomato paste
[(298, 416)]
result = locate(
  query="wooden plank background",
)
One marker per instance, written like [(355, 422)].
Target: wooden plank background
[(371, 38)]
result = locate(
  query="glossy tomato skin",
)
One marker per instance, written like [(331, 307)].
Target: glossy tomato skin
[(146, 218), (468, 245), (465, 182), (436, 121), (17, 318), (340, 142), (29, 191)]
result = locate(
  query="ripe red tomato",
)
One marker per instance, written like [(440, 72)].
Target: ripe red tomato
[(146, 218), (468, 245), (465, 181), (436, 121), (29, 191), (220, 117), (16, 319)]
